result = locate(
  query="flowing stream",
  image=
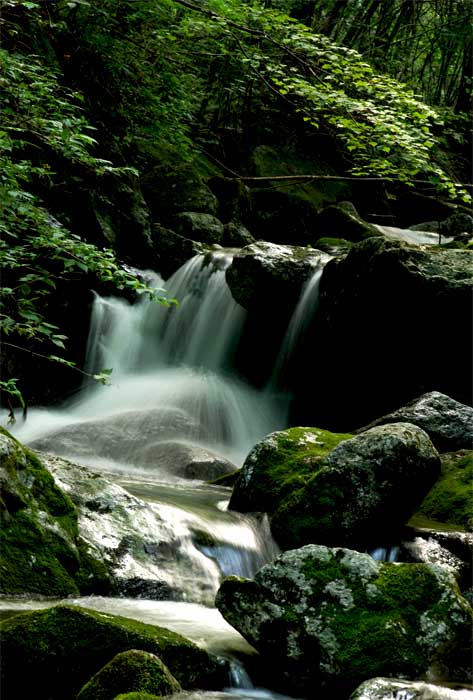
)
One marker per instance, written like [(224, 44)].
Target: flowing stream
[(176, 414)]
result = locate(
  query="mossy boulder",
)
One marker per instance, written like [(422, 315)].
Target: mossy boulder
[(136, 696), (335, 617), (450, 501), (133, 670), (448, 423), (363, 492), (50, 654), (278, 465), (41, 552)]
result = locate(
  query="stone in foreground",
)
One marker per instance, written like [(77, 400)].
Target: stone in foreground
[(384, 688), (333, 618), (133, 670)]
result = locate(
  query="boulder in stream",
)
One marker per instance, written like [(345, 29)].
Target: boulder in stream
[(50, 654), (333, 618), (133, 670), (448, 423), (185, 460)]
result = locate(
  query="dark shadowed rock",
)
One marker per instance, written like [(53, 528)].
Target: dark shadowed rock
[(198, 227), (172, 250)]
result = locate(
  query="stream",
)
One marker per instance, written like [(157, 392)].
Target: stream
[(176, 413)]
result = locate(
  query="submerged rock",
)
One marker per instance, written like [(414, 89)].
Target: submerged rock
[(133, 670), (41, 551), (383, 688), (448, 423), (185, 460), (278, 465), (335, 617), (50, 654)]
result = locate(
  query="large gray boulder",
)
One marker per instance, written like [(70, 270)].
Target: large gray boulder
[(266, 275), (364, 491), (383, 688), (335, 617), (448, 423)]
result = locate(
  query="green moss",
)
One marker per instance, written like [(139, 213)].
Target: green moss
[(450, 501), (41, 551), (133, 670), (333, 245), (50, 654), (280, 465)]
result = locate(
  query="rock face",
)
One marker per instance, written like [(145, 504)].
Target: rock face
[(50, 654), (364, 492), (393, 322), (448, 423), (41, 551), (278, 465), (265, 274), (383, 688), (334, 617), (132, 670)]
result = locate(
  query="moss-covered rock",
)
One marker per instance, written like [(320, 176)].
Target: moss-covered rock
[(364, 491), (450, 500), (335, 617), (278, 465), (41, 551), (50, 654), (133, 670)]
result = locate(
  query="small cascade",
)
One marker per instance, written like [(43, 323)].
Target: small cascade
[(300, 321), (238, 676), (388, 554)]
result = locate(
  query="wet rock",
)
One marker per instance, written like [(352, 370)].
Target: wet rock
[(393, 322), (133, 670), (383, 688), (363, 492), (199, 227), (265, 275), (50, 654), (146, 549), (343, 221), (448, 423), (458, 226), (332, 618), (185, 460), (41, 551), (278, 465), (172, 250)]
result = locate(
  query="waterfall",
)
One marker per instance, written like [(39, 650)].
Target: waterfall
[(303, 315)]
